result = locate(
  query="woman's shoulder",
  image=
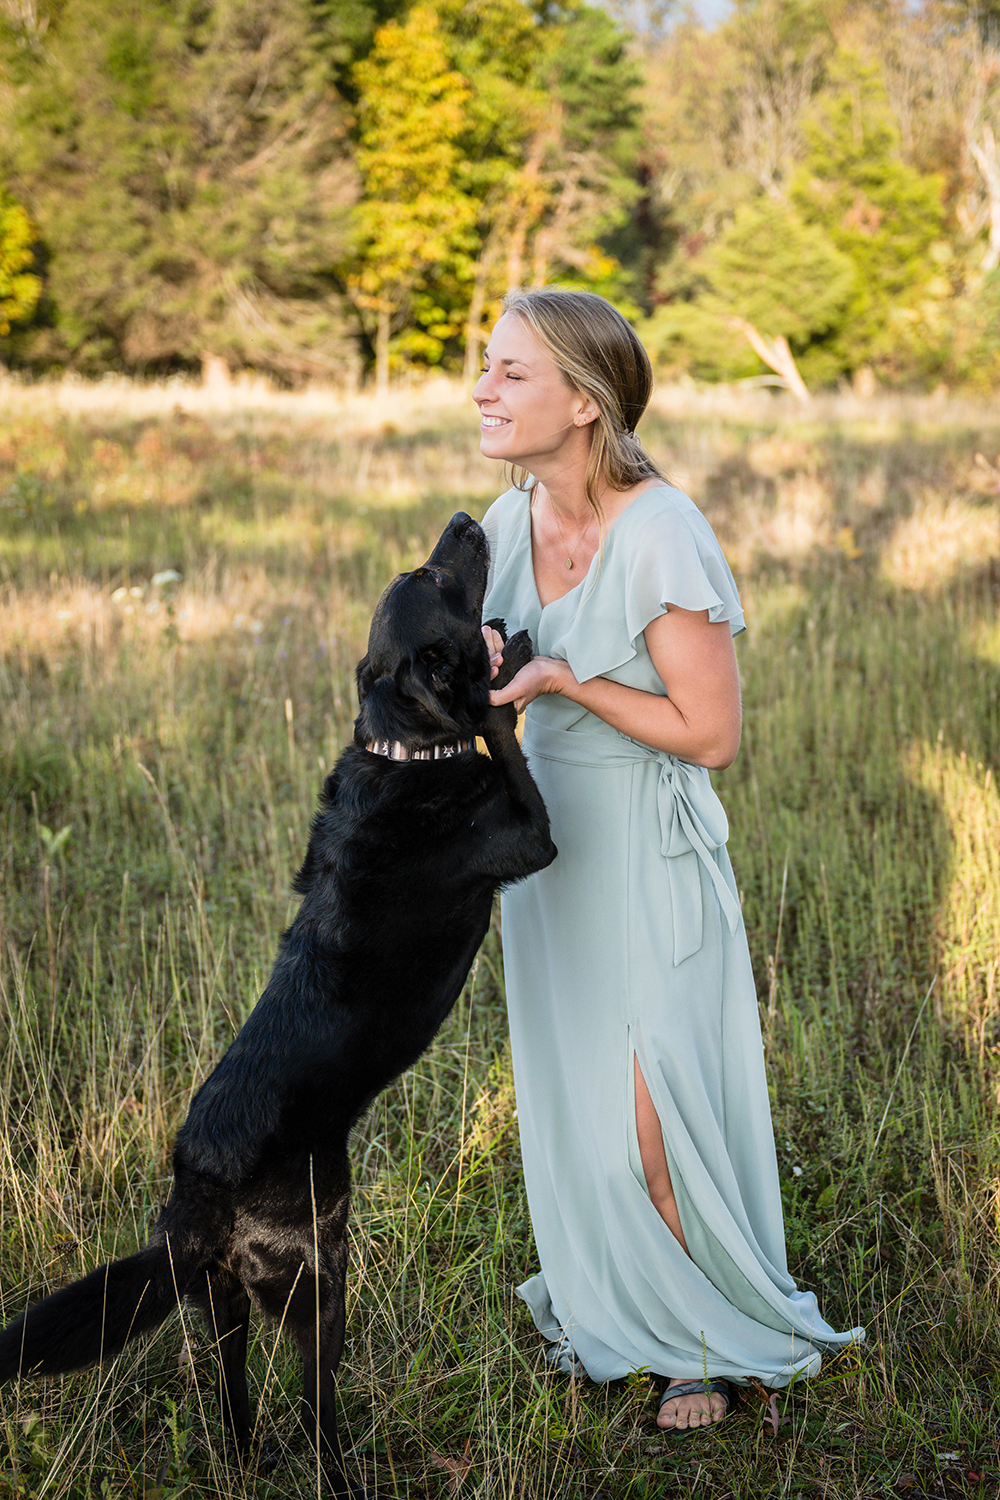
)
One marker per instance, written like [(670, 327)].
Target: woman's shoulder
[(661, 521), (659, 505)]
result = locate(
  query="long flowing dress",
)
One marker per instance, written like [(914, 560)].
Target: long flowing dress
[(632, 945)]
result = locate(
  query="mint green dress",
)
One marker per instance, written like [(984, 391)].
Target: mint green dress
[(632, 944)]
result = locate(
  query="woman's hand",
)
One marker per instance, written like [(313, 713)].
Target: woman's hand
[(543, 674), (494, 645)]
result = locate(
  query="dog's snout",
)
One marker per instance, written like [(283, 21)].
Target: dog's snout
[(462, 526)]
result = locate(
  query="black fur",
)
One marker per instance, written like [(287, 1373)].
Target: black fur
[(403, 862)]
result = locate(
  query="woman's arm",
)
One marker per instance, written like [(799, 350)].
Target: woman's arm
[(698, 721)]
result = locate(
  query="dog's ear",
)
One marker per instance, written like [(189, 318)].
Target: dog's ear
[(364, 677), (381, 715), (428, 679)]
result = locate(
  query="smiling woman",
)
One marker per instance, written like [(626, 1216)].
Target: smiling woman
[(642, 1102)]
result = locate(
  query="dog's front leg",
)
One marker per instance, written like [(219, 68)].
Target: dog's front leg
[(524, 845)]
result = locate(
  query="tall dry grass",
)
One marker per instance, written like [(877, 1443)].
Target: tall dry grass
[(186, 580)]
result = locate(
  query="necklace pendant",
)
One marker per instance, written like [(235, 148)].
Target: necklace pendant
[(569, 562)]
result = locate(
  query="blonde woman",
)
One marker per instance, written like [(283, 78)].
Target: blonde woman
[(642, 1103)]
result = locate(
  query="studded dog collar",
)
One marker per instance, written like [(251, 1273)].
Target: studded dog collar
[(396, 750)]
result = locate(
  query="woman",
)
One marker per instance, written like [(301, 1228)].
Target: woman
[(642, 1104)]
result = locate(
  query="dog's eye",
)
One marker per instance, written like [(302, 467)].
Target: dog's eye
[(437, 661), (439, 666)]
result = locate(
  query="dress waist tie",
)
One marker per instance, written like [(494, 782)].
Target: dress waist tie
[(693, 822)]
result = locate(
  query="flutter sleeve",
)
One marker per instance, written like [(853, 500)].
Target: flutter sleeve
[(666, 555)]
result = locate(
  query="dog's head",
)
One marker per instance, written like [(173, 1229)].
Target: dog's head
[(426, 677)]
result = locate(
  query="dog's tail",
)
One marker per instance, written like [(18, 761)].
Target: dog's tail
[(93, 1319)]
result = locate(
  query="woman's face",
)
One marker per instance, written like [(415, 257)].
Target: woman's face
[(528, 411)]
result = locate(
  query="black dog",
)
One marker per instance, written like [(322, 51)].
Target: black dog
[(415, 833)]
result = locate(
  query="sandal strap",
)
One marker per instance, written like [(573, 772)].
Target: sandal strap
[(715, 1387)]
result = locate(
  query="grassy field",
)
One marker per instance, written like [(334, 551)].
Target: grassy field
[(185, 586)]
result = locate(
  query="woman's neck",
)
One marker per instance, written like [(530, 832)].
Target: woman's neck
[(564, 489)]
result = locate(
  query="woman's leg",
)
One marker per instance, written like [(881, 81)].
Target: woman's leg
[(686, 1411)]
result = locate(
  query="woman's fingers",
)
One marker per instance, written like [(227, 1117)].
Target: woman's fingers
[(494, 645)]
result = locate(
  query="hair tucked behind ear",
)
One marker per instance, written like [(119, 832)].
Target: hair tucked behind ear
[(599, 354)]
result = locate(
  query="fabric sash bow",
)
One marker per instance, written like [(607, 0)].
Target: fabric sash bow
[(693, 822), (693, 826)]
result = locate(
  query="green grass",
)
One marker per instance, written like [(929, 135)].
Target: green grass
[(161, 748)]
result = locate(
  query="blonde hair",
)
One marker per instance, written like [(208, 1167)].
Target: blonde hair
[(597, 353)]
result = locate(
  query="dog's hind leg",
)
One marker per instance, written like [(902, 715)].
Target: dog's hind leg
[(320, 1344), (226, 1305)]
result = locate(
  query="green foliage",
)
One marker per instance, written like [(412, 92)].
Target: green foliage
[(697, 338), (769, 268), (591, 142), (783, 276), (308, 186), (780, 275), (20, 287), (495, 147), (186, 167), (976, 331), (874, 208)]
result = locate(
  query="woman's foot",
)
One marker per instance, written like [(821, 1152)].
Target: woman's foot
[(693, 1403)]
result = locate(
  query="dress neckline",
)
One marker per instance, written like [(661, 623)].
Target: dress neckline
[(661, 484)]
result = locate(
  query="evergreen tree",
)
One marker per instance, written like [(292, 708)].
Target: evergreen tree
[(496, 48), (589, 145), (874, 208), (187, 167), (770, 283)]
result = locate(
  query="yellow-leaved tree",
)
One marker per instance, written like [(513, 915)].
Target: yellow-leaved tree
[(415, 219), (20, 288)]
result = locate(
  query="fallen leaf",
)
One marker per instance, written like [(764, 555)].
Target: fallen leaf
[(455, 1468), (773, 1415)]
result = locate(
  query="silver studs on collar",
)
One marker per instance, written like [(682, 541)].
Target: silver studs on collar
[(396, 750)]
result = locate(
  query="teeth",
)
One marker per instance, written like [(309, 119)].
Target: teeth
[(493, 422)]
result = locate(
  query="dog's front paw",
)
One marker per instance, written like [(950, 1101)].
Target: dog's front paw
[(497, 624), (517, 653)]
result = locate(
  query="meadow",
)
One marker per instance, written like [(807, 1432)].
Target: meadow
[(186, 579)]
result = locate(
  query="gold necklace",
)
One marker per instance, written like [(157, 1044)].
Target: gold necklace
[(569, 555)]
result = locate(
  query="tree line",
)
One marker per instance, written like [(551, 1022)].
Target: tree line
[(340, 189)]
